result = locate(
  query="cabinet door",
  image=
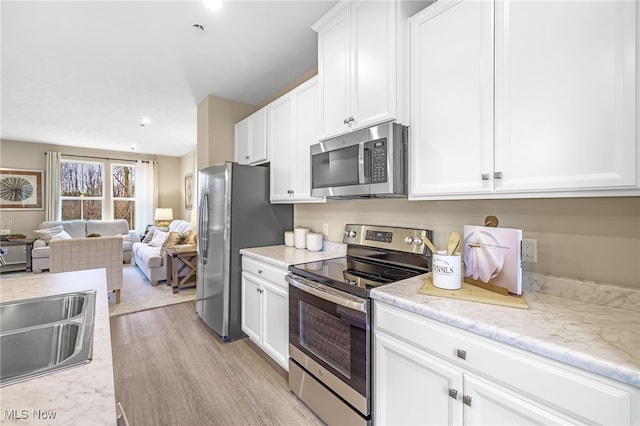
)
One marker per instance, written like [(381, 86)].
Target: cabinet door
[(251, 307), (242, 142), (334, 61), (565, 95), (489, 404), (258, 137), (305, 101), (413, 387), (373, 35), (451, 137), (280, 142), (275, 337)]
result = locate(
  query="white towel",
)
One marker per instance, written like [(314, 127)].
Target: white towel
[(482, 261)]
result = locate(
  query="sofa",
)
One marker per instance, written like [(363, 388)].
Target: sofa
[(78, 254), (52, 230), (148, 255)]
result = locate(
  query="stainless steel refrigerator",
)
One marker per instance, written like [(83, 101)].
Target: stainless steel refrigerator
[(234, 213)]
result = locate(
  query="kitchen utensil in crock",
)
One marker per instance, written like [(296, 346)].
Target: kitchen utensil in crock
[(429, 244), (453, 243)]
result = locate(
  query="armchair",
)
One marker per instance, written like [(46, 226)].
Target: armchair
[(89, 253)]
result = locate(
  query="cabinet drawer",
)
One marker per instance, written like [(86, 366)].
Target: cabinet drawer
[(580, 394), (272, 273)]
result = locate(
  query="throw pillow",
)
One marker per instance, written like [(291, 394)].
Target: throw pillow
[(62, 235), (159, 237), (47, 233), (149, 236), (175, 238)]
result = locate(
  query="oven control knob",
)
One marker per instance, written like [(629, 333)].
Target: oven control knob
[(418, 242), (408, 240), (350, 234)]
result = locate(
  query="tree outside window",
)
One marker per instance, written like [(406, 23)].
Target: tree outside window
[(123, 192), (82, 190), (86, 194)]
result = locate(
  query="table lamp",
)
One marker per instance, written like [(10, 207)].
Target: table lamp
[(163, 217)]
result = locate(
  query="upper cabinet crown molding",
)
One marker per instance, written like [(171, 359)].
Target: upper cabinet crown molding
[(362, 64), (501, 110)]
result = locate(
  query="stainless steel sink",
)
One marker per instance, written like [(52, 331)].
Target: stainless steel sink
[(44, 335), (44, 310)]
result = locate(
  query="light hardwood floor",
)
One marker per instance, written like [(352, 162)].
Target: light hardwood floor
[(171, 369)]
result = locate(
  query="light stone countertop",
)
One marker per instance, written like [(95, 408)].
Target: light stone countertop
[(283, 256), (83, 395), (601, 338)]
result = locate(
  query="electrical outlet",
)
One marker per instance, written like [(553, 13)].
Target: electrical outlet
[(325, 230), (529, 250)]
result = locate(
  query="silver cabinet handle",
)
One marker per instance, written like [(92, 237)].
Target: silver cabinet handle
[(453, 393), (497, 175), (461, 353), (467, 400), (485, 176)]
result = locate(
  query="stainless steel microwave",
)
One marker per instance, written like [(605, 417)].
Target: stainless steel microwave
[(369, 162)]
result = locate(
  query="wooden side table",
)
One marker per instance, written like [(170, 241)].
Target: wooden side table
[(188, 257)]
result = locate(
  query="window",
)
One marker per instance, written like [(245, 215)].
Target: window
[(82, 190), (86, 193), (123, 190)]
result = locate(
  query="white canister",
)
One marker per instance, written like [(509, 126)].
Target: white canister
[(447, 270), (288, 238), (300, 237), (314, 241)]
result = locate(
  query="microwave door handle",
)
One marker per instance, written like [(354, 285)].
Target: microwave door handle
[(364, 163)]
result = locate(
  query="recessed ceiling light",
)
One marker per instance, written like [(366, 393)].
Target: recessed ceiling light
[(213, 4), (144, 121)]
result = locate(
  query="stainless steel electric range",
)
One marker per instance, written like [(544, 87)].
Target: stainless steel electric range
[(330, 318)]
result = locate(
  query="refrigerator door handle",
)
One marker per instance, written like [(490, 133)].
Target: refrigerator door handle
[(203, 226)]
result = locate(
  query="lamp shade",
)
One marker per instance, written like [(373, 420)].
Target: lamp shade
[(164, 214)]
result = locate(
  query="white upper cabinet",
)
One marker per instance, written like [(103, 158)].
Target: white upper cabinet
[(361, 64), (527, 112), (566, 95), (293, 128), (451, 134), (251, 139)]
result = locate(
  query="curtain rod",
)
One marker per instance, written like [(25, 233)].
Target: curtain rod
[(102, 158)]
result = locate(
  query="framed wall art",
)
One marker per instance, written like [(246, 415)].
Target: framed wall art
[(21, 189), (188, 191)]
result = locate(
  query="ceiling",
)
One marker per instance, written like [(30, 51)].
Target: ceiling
[(84, 73)]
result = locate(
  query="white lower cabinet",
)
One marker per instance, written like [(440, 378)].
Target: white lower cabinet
[(426, 372), (265, 308)]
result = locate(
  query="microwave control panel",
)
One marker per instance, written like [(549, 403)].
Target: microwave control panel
[(379, 161)]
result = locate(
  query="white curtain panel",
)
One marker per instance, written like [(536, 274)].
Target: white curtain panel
[(53, 206), (146, 193)]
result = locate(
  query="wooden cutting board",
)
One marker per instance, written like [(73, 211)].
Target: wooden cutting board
[(474, 293)]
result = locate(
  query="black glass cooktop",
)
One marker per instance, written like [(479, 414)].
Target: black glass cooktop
[(353, 275)]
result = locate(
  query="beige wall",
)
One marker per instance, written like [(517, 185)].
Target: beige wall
[(23, 155), (216, 117), (594, 239)]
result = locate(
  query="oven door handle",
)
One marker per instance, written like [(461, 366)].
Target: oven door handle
[(326, 293)]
